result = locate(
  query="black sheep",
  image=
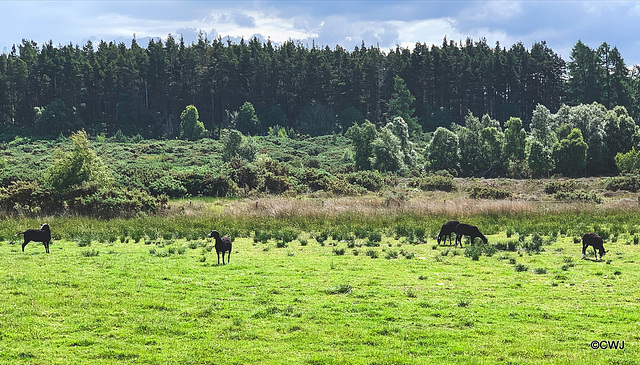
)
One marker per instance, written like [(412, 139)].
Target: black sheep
[(446, 230), (223, 244), (595, 241), (37, 235), (463, 229)]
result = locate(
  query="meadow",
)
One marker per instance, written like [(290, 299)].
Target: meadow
[(357, 281)]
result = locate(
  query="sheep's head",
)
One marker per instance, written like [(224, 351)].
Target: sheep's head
[(45, 227), (214, 234)]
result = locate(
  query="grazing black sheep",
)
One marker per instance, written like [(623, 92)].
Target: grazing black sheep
[(223, 244), (595, 241), (37, 235), (463, 229), (446, 230)]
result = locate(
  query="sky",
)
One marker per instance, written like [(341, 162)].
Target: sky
[(387, 24)]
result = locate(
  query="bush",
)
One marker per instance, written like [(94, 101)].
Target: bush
[(488, 192), (578, 196), (438, 182), (626, 182), (474, 252), (205, 183), (169, 186), (27, 197), (556, 186), (370, 180), (116, 202)]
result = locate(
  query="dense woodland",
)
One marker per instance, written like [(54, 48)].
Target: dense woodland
[(109, 87), (292, 119)]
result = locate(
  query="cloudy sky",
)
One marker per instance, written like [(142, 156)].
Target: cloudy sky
[(330, 22)]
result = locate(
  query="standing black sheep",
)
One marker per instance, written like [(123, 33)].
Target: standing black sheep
[(222, 245), (463, 229), (446, 230), (37, 235), (595, 241)]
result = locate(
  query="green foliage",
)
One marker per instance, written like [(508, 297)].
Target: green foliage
[(442, 153), (57, 118), (27, 198), (470, 143), (116, 202), (400, 105), (167, 185), (231, 141), (362, 137), (246, 121), (350, 117), (570, 154), (387, 153), (625, 182), (371, 180), (77, 167), (628, 162), (317, 119), (555, 186), (514, 140), (578, 196), (539, 158), (442, 181), (190, 126), (488, 192)]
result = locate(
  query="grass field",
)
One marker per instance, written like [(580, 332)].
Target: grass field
[(355, 301)]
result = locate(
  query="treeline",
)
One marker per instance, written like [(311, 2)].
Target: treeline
[(109, 87)]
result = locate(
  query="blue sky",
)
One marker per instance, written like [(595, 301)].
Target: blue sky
[(330, 22)]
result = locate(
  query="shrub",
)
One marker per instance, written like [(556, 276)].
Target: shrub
[(27, 197), (626, 182), (473, 252), (578, 196), (340, 289), (521, 267), (169, 186), (206, 183), (488, 192), (375, 236), (116, 202), (370, 180), (553, 187), (84, 240), (391, 255), (434, 182), (338, 251), (372, 253), (77, 167), (507, 246), (90, 253)]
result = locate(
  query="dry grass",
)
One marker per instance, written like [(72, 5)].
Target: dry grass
[(528, 197), (278, 207)]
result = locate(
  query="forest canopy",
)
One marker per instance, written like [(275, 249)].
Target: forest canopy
[(104, 88)]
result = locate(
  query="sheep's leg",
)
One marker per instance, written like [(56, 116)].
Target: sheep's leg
[(219, 257), (46, 246), (584, 250), (24, 244), (229, 257)]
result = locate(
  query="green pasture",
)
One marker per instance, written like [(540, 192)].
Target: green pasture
[(387, 298)]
